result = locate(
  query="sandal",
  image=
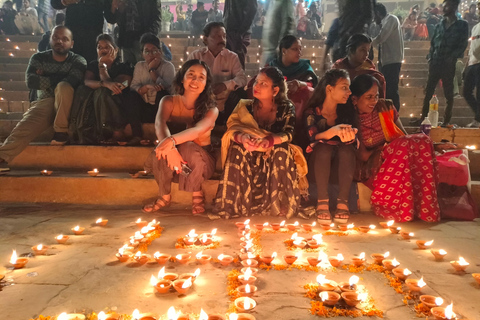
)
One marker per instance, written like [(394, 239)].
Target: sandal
[(159, 204), (198, 207), (323, 215), (342, 215)]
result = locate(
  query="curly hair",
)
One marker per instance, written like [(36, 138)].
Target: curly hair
[(278, 81), (205, 100)]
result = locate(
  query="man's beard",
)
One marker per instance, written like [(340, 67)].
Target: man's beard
[(61, 51)]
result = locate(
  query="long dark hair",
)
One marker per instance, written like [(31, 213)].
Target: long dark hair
[(205, 100), (278, 80), (106, 37), (331, 78), (285, 43), (362, 84)]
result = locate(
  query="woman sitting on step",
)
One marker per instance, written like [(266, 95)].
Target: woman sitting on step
[(186, 154), (152, 80), (98, 112), (262, 169), (399, 168), (331, 129)]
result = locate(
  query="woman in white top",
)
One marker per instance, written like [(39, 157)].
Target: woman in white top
[(152, 80)]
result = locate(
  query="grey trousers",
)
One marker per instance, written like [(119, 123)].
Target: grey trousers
[(198, 159), (41, 115)]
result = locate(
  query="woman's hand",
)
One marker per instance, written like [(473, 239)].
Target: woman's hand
[(345, 132), (108, 58), (294, 85), (115, 87), (164, 146), (174, 160), (248, 142), (262, 143)]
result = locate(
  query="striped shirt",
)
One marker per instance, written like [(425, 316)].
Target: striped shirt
[(53, 72)]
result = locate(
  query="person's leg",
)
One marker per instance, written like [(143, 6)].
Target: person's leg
[(468, 87), (36, 120), (319, 164), (63, 103), (434, 74), (391, 72), (346, 168), (132, 107), (163, 176), (447, 76)]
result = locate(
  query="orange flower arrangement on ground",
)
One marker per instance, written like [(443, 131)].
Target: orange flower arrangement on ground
[(143, 246), (181, 245)]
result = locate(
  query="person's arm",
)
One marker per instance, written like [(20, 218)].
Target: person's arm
[(165, 108), (432, 43), (90, 80), (167, 74), (240, 79), (137, 76), (385, 32), (462, 41), (289, 120), (202, 126), (34, 77)]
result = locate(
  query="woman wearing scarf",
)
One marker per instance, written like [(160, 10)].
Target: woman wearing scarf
[(400, 169), (262, 170)]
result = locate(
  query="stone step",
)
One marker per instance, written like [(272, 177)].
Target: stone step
[(14, 95), (12, 76), (14, 67), (20, 38), (18, 45), (15, 60), (14, 85)]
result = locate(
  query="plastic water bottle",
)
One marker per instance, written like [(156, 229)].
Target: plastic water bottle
[(426, 126), (433, 112)]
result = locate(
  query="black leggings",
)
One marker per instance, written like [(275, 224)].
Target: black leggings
[(325, 156)]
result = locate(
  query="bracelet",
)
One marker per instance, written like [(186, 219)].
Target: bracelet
[(174, 143), (270, 141)]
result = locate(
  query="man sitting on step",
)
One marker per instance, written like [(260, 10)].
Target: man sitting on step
[(228, 75), (54, 74)]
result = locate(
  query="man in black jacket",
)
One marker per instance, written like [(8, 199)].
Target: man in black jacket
[(238, 18), (135, 18), (85, 19)]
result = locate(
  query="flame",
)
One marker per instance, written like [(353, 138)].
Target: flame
[(294, 236), (161, 274), (390, 223), (399, 228), (13, 259), (247, 236), (247, 227), (40, 247), (296, 224), (362, 256), (406, 272), (192, 234), (196, 273), (136, 314), (282, 223), (340, 257), (248, 270), (153, 222), (449, 314), (438, 301), (395, 263), (428, 243), (362, 296), (462, 262), (249, 261), (421, 283), (138, 255), (350, 226), (314, 223), (156, 255), (386, 254), (62, 316), (139, 220), (274, 255), (99, 220), (178, 257), (172, 314), (138, 235), (321, 279), (320, 256), (353, 280), (95, 170), (144, 230), (214, 231), (442, 252), (153, 281), (297, 241), (247, 288), (247, 274), (199, 255), (250, 255), (332, 225), (120, 251), (324, 295), (204, 238), (76, 228), (233, 316), (203, 315), (265, 224), (246, 222), (246, 304), (411, 234), (318, 238), (60, 237), (101, 315), (187, 283), (372, 226), (221, 256)]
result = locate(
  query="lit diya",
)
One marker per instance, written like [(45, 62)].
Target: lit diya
[(17, 263), (245, 304), (406, 235), (141, 223), (190, 275), (353, 298), (225, 259), (161, 285), (101, 222), (327, 226), (70, 316), (166, 276), (203, 258), (316, 241), (443, 313), (360, 260), (183, 258), (345, 227), (123, 256), (293, 227), (61, 239), (39, 250), (415, 285), (260, 226), (460, 264), (241, 225), (246, 290), (351, 286), (141, 258), (390, 264), (394, 230), (182, 286), (378, 257), (386, 224), (329, 298), (290, 258), (136, 315), (336, 261), (439, 254), (253, 271), (46, 172), (308, 227), (252, 262), (366, 229), (267, 259), (247, 278), (315, 261), (78, 230), (325, 284), (161, 258), (431, 301), (401, 273), (93, 173), (424, 244)]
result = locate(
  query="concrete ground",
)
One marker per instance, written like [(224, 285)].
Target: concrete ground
[(84, 275)]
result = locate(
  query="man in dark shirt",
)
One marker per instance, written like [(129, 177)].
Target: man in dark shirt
[(85, 19), (199, 19), (238, 18), (448, 43), (54, 74)]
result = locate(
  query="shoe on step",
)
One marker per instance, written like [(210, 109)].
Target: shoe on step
[(59, 139)]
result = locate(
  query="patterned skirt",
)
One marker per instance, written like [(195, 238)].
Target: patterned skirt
[(258, 183), (405, 186)]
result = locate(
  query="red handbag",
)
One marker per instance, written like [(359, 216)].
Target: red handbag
[(453, 168)]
